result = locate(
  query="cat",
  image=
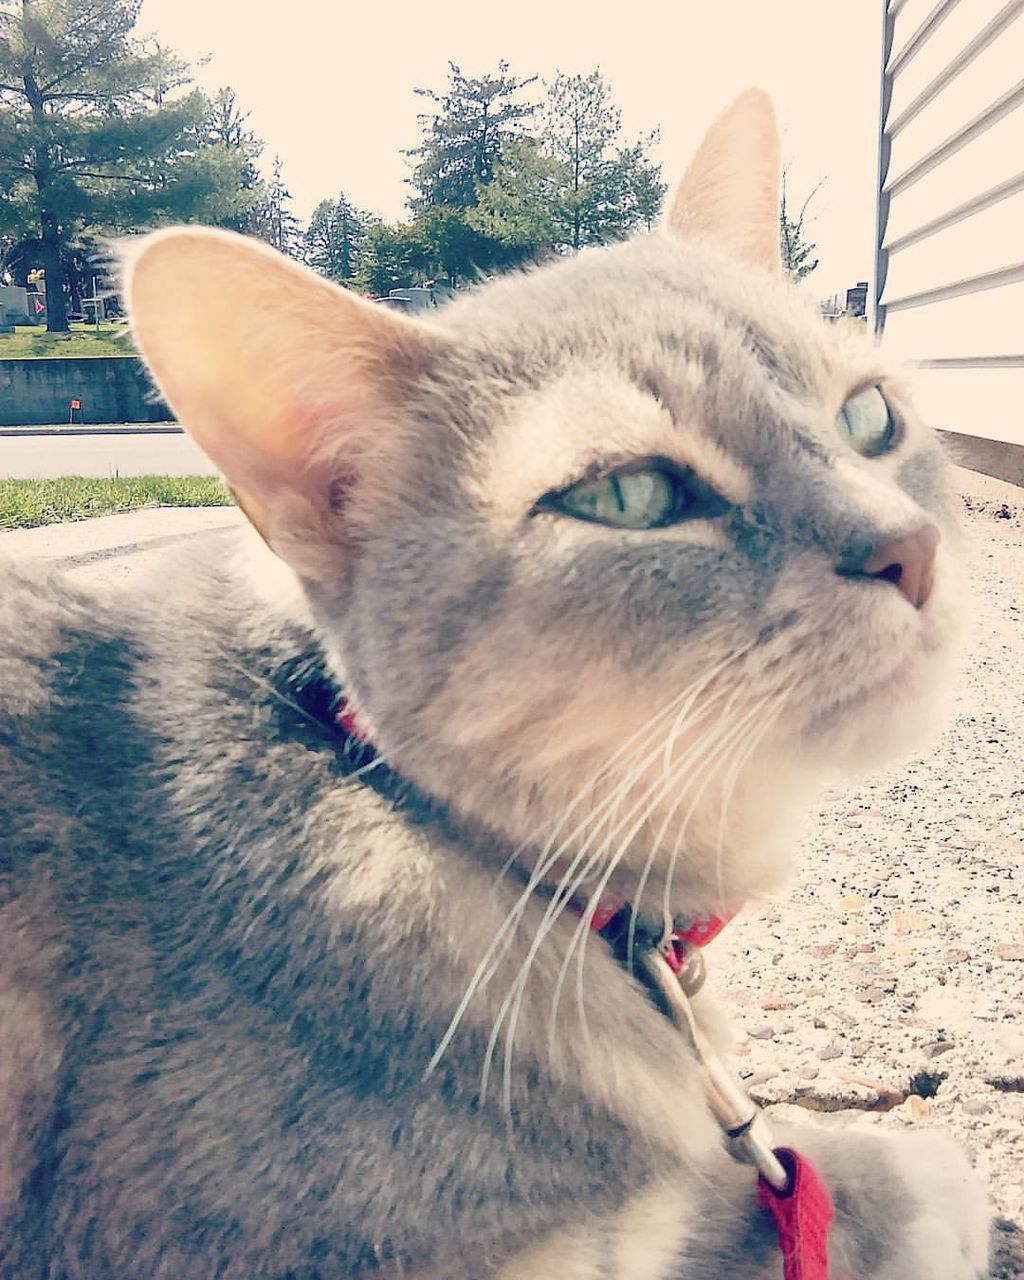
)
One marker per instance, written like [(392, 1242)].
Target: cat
[(579, 590)]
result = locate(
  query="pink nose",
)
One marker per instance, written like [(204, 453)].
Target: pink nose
[(908, 562)]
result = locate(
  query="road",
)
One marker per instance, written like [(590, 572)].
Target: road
[(144, 453)]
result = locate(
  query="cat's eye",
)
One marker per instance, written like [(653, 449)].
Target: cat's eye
[(648, 495), (867, 423)]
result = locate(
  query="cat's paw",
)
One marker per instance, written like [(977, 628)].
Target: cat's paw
[(907, 1206), (945, 1214)]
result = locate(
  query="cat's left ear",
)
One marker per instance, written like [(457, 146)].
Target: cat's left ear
[(730, 192), (286, 381)]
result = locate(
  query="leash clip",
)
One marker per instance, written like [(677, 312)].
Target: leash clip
[(747, 1132)]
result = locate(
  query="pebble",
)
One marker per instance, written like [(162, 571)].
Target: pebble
[(976, 1107), (938, 1047), (761, 1033)]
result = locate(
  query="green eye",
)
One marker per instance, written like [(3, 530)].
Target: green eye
[(648, 496), (867, 423)]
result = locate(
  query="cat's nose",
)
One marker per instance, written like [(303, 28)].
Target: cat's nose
[(908, 562)]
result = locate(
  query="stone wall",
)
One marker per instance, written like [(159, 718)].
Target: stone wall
[(110, 389)]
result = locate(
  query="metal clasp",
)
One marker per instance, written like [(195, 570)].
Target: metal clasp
[(747, 1131)]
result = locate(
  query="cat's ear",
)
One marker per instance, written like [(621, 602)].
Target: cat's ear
[(730, 192), (285, 380)]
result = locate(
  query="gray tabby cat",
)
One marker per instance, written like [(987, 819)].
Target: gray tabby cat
[(617, 561)]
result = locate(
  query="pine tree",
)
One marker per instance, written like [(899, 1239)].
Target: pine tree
[(610, 190), (522, 207), (273, 221), (334, 237), (97, 134), (227, 126), (463, 137), (794, 249)]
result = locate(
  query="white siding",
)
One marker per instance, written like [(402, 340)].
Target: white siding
[(987, 402)]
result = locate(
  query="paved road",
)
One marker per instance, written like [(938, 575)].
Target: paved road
[(39, 456)]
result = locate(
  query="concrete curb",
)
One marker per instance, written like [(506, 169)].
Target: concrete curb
[(128, 429)]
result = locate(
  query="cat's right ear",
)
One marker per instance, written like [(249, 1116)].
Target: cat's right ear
[(284, 379), (730, 192)]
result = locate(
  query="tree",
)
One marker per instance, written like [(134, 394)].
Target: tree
[(334, 237), (610, 190), (522, 207), (272, 220), (387, 258), (227, 127), (640, 181), (794, 248), (96, 134), (463, 137)]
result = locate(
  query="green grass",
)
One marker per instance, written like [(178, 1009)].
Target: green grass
[(32, 342), (25, 504)]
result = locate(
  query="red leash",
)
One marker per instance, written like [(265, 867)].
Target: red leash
[(803, 1215), (802, 1210)]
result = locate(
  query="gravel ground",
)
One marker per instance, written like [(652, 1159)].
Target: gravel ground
[(888, 988)]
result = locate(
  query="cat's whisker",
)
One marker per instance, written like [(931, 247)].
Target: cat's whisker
[(502, 939), (732, 778), (645, 805), (572, 879), (569, 886), (710, 752), (772, 702), (741, 728)]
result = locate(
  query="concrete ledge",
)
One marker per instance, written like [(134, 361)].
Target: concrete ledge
[(109, 389), (991, 457)]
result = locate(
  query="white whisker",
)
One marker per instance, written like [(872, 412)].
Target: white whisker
[(546, 860)]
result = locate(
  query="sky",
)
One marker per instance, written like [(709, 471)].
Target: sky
[(330, 85)]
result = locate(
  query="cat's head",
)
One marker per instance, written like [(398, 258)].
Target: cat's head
[(634, 543)]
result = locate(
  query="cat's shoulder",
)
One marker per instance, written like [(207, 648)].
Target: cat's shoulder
[(43, 615)]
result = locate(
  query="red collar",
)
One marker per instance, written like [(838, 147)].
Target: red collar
[(695, 932)]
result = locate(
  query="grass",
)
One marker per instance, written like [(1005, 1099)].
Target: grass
[(25, 504), (32, 342)]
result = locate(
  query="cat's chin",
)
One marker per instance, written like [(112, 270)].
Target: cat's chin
[(880, 724)]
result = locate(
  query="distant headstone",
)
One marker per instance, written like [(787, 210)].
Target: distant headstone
[(13, 304)]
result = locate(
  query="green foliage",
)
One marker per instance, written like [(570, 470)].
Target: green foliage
[(227, 128), (270, 219), (510, 196), (25, 504), (523, 207), (463, 137), (609, 190), (387, 258), (98, 135), (795, 249), (333, 241)]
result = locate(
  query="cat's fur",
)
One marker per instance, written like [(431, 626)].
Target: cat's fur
[(233, 1040)]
